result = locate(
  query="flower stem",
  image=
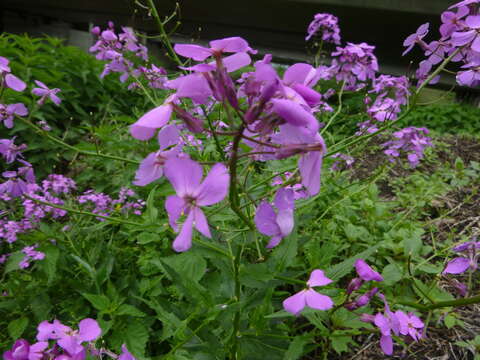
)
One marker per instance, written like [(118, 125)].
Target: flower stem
[(74, 148), (163, 34), (233, 192)]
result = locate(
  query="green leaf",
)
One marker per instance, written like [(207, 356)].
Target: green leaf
[(13, 260), (151, 211), (284, 254), (356, 232), (17, 327), (136, 337), (340, 343), (392, 273), (126, 309), (49, 265), (190, 264), (295, 349), (99, 302)]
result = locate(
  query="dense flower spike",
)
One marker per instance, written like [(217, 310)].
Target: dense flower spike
[(326, 26), (309, 297), (412, 141), (276, 224), (185, 175)]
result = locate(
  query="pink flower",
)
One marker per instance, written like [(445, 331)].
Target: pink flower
[(185, 175), (309, 297)]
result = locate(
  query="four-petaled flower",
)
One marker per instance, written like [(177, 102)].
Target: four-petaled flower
[(309, 297), (44, 92), (185, 175)]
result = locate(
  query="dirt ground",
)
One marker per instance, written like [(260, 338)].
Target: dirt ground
[(463, 209)]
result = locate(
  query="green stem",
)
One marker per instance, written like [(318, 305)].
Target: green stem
[(163, 34), (233, 192), (442, 304), (407, 111), (74, 148), (340, 105)]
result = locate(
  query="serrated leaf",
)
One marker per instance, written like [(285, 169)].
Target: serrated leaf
[(340, 343), (131, 310), (99, 302), (136, 337), (13, 260), (17, 327), (49, 265), (391, 273), (189, 264), (295, 349)]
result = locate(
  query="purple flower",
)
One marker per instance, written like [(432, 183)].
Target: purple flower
[(409, 324), (297, 140), (461, 264), (37, 350), (10, 80), (415, 38), (151, 168), (185, 175), (10, 151), (327, 26), (309, 297), (19, 351), (69, 340), (412, 141), (147, 125), (278, 224), (365, 272), (43, 91), (126, 355), (7, 113), (88, 330)]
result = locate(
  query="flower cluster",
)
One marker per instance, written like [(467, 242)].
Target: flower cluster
[(388, 322), (58, 341), (326, 26), (343, 162), (459, 39), (412, 141), (123, 51), (354, 64), (102, 204)]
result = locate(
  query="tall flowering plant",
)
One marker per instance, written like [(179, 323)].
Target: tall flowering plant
[(211, 172)]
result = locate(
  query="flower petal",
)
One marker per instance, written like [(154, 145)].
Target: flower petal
[(89, 330), (295, 303), (183, 241), (14, 83), (175, 207), (265, 219), (310, 166), (200, 222), (366, 272), (318, 301), (147, 125), (195, 52), (214, 187), (457, 266), (184, 174), (318, 278)]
